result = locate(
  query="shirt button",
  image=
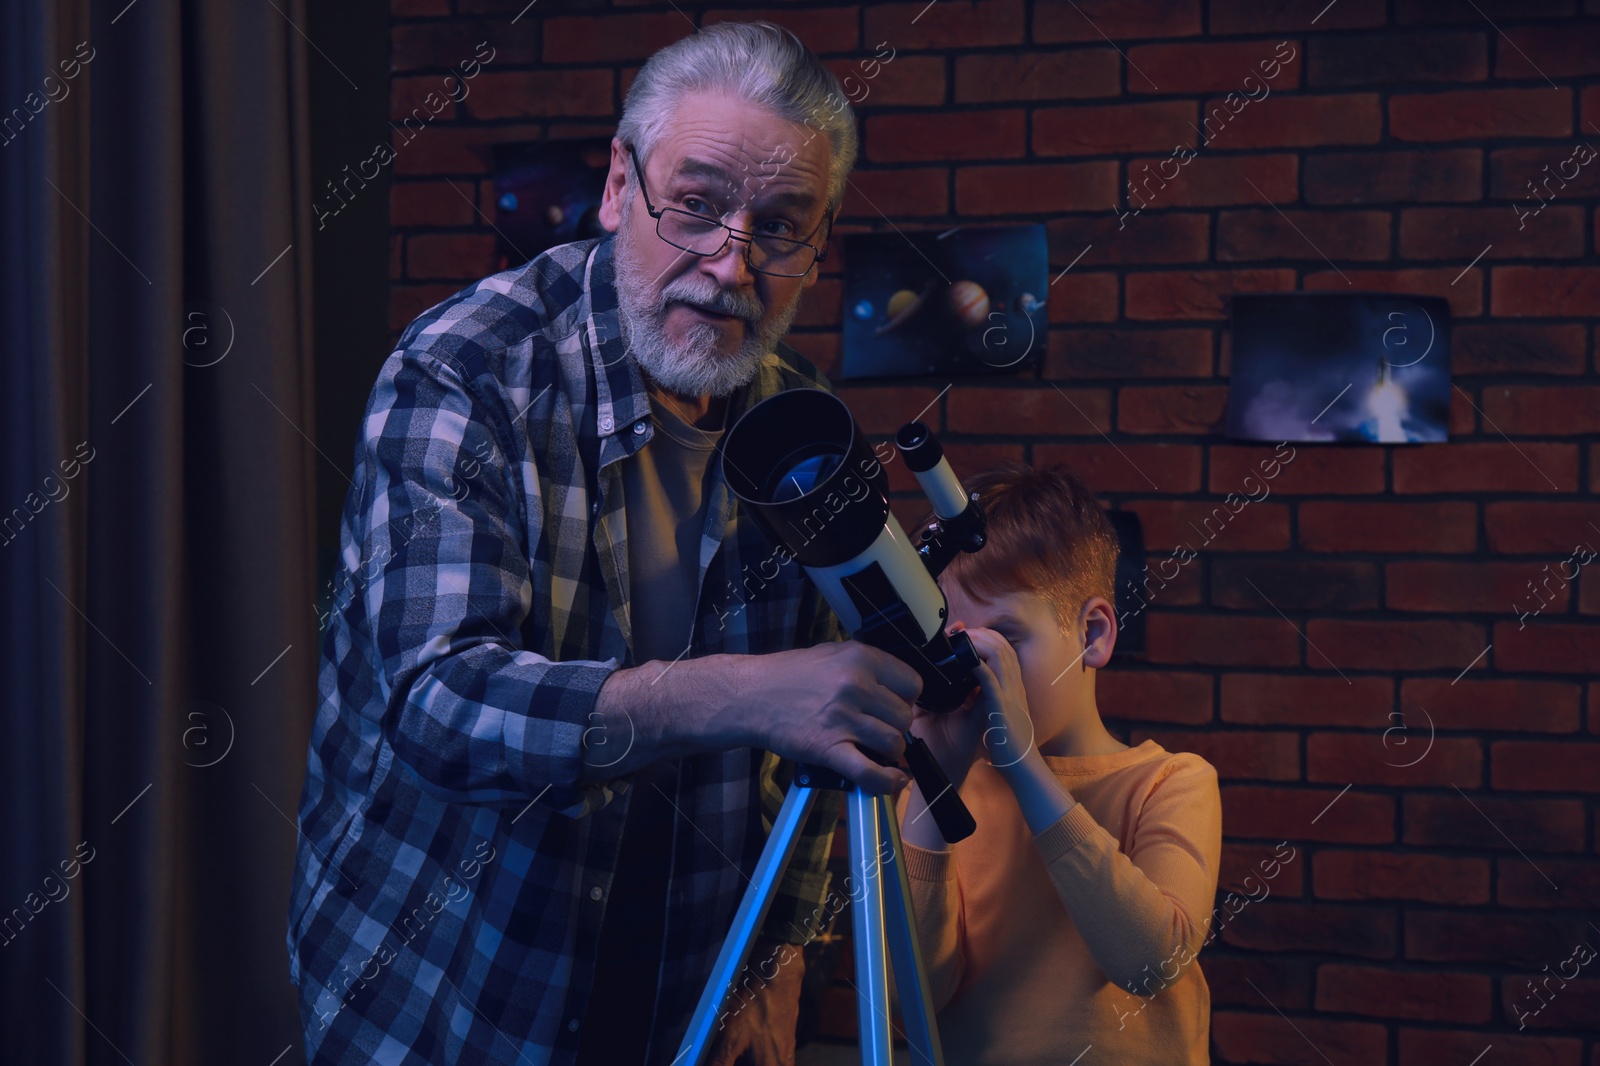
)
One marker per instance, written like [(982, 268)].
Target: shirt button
[(572, 1025), (638, 427), (605, 425), (595, 893), (594, 508)]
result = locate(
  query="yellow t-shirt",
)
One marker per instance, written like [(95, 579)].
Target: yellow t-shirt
[(1032, 942)]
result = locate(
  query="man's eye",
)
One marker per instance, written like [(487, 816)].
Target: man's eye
[(690, 201), (782, 228)]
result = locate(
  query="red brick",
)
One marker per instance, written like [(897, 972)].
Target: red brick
[(1471, 114), (897, 193), (1308, 700), (1171, 408), (1449, 174), (1127, 467), (1319, 928), (964, 457), (451, 43), (1393, 56), (1167, 238), (1576, 884), (418, 8), (1248, 16), (1529, 410), (1266, 1036), (1437, 997), (1197, 294), (1518, 347), (1307, 470), (1069, 412), (1545, 766), (1544, 528), (1464, 232), (1389, 527), (1281, 872), (1154, 695), (1169, 581), (1398, 751), (823, 29), (1487, 467), (1214, 180), (1499, 704), (1036, 188), (1076, 297), (1452, 819), (1517, 173), (1477, 586), (1112, 129), (1426, 1047), (904, 81), (1547, 648), (1400, 875), (935, 135), (1316, 814), (977, 24), (1212, 66), (1508, 940), (1408, 11), (1326, 585), (1230, 978), (1463, 414), (542, 94), (1188, 638), (822, 349), (452, 255), (397, 268), (1238, 755), (1117, 20), (1052, 75), (608, 38), (1465, 295), (430, 203), (1292, 121), (436, 151), (885, 408), (1577, 1006), (426, 96), (1201, 525), (1561, 51), (1550, 292), (1399, 645), (1271, 234), (1129, 353)]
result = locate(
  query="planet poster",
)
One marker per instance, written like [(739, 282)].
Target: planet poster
[(962, 301), (547, 193), (1353, 367)]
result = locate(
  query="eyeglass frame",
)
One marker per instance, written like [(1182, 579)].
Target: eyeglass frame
[(730, 233)]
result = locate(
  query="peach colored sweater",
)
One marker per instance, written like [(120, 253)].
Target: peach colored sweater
[(1037, 946)]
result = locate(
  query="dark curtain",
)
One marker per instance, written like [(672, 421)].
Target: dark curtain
[(156, 535)]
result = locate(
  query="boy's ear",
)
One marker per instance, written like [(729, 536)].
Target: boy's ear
[(1098, 629)]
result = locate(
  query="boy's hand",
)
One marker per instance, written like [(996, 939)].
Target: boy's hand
[(1007, 726)]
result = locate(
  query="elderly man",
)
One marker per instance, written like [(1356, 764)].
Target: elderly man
[(561, 668)]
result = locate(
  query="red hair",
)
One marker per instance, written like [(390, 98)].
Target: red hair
[(1047, 534)]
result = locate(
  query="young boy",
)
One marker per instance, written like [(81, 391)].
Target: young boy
[(1072, 916)]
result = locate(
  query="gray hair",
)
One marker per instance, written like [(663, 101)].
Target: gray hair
[(758, 62)]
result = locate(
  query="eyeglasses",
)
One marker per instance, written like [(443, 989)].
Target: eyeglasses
[(781, 257)]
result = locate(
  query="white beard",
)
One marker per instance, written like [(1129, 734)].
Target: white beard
[(697, 368)]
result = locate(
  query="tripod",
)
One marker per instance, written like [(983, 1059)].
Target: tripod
[(881, 919)]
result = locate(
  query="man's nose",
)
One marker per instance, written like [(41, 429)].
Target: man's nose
[(731, 266)]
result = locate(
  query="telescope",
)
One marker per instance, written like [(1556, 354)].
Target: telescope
[(801, 467)]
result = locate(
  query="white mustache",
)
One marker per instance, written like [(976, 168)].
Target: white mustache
[(723, 304)]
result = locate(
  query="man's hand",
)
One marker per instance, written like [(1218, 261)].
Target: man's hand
[(759, 1019)]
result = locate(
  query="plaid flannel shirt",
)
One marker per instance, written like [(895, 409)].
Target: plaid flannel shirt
[(452, 871)]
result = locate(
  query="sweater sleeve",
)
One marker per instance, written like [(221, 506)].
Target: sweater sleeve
[(1142, 913), (936, 903)]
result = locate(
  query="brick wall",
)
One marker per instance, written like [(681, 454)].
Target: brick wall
[(1314, 646)]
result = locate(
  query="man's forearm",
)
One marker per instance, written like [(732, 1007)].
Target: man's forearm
[(660, 710)]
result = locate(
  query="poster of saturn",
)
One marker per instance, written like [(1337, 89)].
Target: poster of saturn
[(968, 300)]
